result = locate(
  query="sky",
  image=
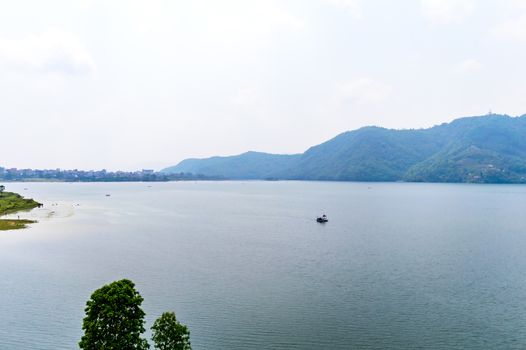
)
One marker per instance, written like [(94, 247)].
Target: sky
[(132, 84)]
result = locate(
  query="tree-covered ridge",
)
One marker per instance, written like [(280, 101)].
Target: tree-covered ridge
[(484, 149), (249, 165)]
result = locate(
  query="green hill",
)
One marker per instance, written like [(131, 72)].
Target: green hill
[(482, 149), (485, 149), (249, 165)]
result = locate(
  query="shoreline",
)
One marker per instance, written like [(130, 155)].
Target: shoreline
[(16, 224), (266, 180), (12, 203)]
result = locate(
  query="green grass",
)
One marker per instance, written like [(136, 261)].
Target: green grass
[(6, 224), (11, 203)]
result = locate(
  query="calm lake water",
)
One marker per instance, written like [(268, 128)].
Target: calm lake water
[(245, 265)]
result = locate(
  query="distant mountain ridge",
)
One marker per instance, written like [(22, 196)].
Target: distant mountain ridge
[(249, 165), (483, 149)]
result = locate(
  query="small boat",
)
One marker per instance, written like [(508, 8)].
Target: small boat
[(107, 195), (322, 219)]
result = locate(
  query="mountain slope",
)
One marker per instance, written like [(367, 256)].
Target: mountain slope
[(478, 149), (249, 165), (366, 154), (475, 149)]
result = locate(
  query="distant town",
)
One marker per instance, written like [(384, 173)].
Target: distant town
[(14, 174)]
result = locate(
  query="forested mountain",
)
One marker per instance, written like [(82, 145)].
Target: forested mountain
[(249, 165), (489, 149)]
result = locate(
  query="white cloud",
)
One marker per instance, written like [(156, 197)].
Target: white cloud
[(235, 21), (149, 16), (521, 4), (512, 29), (243, 97), (50, 51), (282, 17), (86, 3), (354, 7), (363, 91), (447, 10), (468, 66)]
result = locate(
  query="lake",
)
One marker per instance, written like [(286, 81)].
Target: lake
[(246, 266)]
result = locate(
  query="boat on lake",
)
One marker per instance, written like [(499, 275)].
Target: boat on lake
[(322, 219)]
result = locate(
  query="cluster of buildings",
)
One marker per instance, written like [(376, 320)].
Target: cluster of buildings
[(14, 174)]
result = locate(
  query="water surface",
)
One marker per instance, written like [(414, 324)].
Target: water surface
[(245, 265)]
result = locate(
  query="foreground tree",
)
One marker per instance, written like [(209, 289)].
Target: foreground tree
[(114, 319), (169, 334), (2, 188)]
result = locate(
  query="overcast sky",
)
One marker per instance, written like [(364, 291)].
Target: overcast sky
[(133, 84)]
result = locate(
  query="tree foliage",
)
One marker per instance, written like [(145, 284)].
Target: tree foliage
[(170, 334), (114, 319)]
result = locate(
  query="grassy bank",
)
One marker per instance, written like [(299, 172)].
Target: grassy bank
[(7, 224), (11, 203)]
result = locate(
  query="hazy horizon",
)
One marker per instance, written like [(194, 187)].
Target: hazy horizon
[(125, 85)]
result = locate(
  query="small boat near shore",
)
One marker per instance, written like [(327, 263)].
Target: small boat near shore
[(322, 219)]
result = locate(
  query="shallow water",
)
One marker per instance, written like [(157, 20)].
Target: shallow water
[(245, 265)]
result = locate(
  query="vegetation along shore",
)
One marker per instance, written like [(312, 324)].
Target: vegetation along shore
[(11, 203)]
